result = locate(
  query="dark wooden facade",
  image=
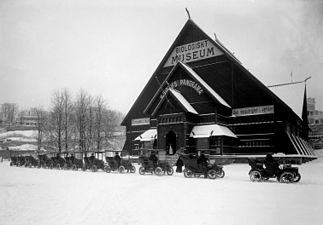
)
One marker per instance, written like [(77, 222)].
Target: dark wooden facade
[(197, 89)]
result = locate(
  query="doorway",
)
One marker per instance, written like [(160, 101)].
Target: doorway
[(171, 143)]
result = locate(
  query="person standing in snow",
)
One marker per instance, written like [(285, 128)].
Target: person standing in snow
[(117, 159), (179, 165)]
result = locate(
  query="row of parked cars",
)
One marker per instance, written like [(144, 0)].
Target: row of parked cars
[(261, 170), (148, 164), (69, 162)]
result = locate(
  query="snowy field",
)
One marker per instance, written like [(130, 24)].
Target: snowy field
[(51, 197)]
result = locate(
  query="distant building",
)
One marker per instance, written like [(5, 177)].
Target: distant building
[(27, 119), (315, 119)]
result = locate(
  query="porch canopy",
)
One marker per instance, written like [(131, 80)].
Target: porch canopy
[(205, 131), (148, 135)]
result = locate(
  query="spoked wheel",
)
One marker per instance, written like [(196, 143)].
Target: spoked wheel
[(141, 170), (255, 176), (286, 177), (158, 171), (107, 169), (74, 167), (133, 169), (220, 174), (94, 168), (121, 169), (188, 173), (170, 171), (297, 177), (212, 174)]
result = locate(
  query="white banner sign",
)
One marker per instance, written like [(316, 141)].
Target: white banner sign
[(140, 121), (192, 52), (258, 110)]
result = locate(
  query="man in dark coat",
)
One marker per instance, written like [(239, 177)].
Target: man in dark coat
[(117, 159), (92, 157), (153, 158), (272, 167), (202, 164), (179, 164)]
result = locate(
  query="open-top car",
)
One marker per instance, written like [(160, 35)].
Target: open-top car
[(195, 168), (115, 162), (155, 161), (93, 163), (261, 170)]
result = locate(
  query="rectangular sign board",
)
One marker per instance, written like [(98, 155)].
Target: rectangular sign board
[(258, 110), (191, 52), (140, 121)]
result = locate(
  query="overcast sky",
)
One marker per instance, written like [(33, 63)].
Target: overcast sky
[(111, 48)]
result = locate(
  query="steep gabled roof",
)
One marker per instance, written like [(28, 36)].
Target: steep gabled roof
[(291, 94), (153, 85), (193, 75), (179, 98)]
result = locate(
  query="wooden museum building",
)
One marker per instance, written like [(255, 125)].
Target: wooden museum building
[(201, 98)]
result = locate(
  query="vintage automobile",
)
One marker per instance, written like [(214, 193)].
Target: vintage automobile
[(57, 162), (284, 173), (92, 163), (152, 164), (121, 165), (195, 169)]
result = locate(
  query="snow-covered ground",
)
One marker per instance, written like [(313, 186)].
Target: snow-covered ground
[(51, 197)]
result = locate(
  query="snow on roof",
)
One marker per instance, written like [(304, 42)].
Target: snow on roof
[(183, 101), (205, 131), (292, 94), (205, 85), (148, 135)]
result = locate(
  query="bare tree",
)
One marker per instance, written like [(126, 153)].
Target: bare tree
[(67, 117), (56, 121), (98, 126), (82, 106), (9, 112)]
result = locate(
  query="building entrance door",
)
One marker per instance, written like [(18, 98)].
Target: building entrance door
[(171, 143)]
